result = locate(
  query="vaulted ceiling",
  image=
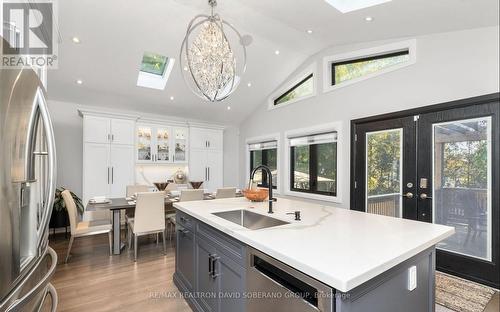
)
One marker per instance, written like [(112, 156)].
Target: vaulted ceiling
[(115, 33)]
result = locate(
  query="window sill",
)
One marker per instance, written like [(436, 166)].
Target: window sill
[(333, 199)]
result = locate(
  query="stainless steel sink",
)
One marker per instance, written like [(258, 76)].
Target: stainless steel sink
[(248, 219)]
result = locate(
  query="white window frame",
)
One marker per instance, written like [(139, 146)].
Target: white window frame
[(329, 127), (410, 45), (311, 69), (259, 139)]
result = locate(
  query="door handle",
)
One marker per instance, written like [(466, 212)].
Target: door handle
[(108, 175), (208, 173), (408, 195), (424, 196), (112, 175), (205, 173)]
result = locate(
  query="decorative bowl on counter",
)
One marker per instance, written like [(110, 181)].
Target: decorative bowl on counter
[(161, 186), (256, 195), (196, 184)]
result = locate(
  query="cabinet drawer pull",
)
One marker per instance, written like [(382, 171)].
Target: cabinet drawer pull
[(215, 258), (184, 220), (210, 260), (183, 231)]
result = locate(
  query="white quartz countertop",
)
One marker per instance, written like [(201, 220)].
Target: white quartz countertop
[(339, 247)]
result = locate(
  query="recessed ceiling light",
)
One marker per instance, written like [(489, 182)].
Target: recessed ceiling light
[(79, 81), (75, 40), (309, 31), (229, 108), (368, 18), (171, 98), (185, 68), (249, 84), (277, 52)]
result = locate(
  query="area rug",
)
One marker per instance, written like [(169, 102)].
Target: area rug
[(461, 295)]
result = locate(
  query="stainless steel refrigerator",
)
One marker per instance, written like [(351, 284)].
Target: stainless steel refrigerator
[(27, 186)]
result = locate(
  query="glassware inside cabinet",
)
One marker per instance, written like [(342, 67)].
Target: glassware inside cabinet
[(163, 144), (144, 143), (180, 142)]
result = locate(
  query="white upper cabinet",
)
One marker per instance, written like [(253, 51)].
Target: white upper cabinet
[(99, 129), (122, 131), (161, 144), (96, 129), (202, 138)]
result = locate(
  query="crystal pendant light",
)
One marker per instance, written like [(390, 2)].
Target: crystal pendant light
[(208, 59)]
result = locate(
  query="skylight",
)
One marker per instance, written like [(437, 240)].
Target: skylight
[(155, 70), (346, 6), (154, 63)]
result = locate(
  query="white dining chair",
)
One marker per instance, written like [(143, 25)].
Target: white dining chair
[(186, 195), (225, 192), (190, 195), (149, 218), (84, 228)]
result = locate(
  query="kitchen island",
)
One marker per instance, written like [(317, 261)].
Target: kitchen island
[(331, 260)]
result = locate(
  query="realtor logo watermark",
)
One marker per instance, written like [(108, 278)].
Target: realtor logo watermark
[(29, 34)]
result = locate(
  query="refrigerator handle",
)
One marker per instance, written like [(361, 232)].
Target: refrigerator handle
[(19, 303), (51, 170)]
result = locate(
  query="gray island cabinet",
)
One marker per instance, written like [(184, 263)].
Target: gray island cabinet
[(209, 267), (224, 267)]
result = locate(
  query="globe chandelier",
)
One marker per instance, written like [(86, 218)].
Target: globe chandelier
[(208, 60)]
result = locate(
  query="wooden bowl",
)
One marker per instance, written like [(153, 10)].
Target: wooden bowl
[(196, 184), (161, 186), (256, 195)]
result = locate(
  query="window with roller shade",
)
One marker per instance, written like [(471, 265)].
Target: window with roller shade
[(264, 153), (313, 164)]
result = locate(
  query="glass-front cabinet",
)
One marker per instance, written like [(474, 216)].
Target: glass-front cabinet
[(161, 144), (180, 144)]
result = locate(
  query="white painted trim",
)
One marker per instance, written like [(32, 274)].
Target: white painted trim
[(311, 69), (108, 114), (337, 126), (195, 124), (411, 45), (268, 137)]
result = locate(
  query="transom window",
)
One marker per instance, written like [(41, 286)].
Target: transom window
[(313, 164), (265, 153), (302, 89), (356, 68)]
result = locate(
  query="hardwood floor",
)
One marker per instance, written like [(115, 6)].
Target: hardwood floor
[(95, 281)]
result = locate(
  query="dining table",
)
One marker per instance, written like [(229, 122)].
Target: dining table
[(116, 205)]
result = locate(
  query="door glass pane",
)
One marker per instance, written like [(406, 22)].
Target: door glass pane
[(301, 167), (327, 167), (180, 145), (383, 172), (257, 161), (143, 143), (163, 144), (462, 184)]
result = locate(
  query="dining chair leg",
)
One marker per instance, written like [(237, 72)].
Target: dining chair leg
[(164, 242), (129, 238), (110, 237), (172, 229), (69, 248), (135, 247)]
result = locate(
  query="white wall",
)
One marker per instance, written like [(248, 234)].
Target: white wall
[(231, 156), (68, 131), (449, 66)]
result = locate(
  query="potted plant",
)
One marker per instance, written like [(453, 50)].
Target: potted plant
[(59, 216)]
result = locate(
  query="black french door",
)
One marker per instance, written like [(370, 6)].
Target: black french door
[(436, 164)]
